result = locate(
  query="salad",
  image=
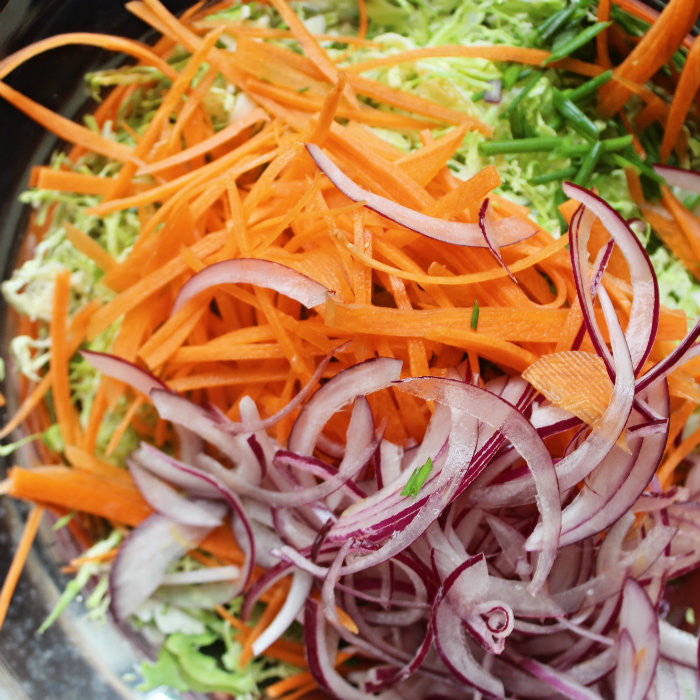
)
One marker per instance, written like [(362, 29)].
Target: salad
[(357, 347)]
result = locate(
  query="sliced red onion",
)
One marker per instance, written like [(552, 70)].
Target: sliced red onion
[(688, 180), (576, 465), (142, 381), (488, 231), (494, 92), (208, 425), (451, 642), (686, 350), (262, 273), (124, 371), (644, 312), (210, 574), (173, 504), (144, 558), (253, 426), (171, 470), (211, 483), (501, 416), (506, 231), (358, 380), (322, 667), (638, 642), (296, 598), (559, 682), (614, 486)]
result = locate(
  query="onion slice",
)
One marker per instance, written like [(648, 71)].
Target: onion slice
[(639, 644), (506, 231), (688, 180), (144, 558), (644, 313), (262, 273)]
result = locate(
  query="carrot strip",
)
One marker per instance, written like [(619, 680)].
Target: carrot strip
[(682, 99), (311, 47), (601, 40), (468, 278), (89, 247), (103, 41), (676, 456), (65, 128), (106, 498), (686, 220), (21, 553), (516, 54), (60, 388), (654, 49), (123, 426), (148, 285), (273, 607)]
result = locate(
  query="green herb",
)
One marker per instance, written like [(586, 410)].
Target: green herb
[(554, 175), (588, 165), (529, 145), (510, 76), (575, 115), (609, 145), (552, 25), (475, 314), (581, 39), (589, 87), (417, 479), (534, 79)]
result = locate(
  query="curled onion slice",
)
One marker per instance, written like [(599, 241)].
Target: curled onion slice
[(506, 231), (262, 273), (678, 177), (144, 558)]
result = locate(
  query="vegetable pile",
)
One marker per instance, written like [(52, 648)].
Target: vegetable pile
[(375, 350)]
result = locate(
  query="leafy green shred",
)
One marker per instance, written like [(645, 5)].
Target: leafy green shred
[(207, 662), (88, 570)]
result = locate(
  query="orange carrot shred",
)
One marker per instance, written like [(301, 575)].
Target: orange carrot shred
[(21, 553)]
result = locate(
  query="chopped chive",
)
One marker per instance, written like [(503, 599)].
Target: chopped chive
[(588, 165), (517, 124), (478, 96), (628, 161), (631, 25), (417, 479), (555, 21), (510, 76), (609, 145), (523, 93), (555, 122), (529, 145), (589, 87), (581, 39), (475, 315), (303, 89), (554, 175), (575, 115)]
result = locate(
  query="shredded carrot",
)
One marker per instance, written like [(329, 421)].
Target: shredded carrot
[(682, 99), (65, 412), (655, 48), (21, 553), (65, 128)]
